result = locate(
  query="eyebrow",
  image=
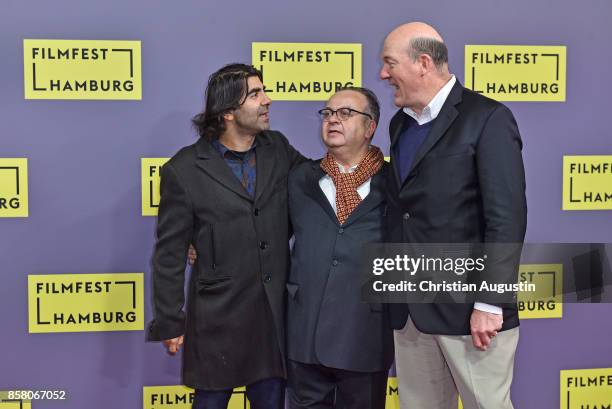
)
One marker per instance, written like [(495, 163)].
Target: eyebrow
[(254, 91), (344, 106)]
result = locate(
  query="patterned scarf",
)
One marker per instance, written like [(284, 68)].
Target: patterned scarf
[(347, 197)]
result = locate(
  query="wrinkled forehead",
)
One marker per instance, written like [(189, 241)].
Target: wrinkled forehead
[(395, 46)]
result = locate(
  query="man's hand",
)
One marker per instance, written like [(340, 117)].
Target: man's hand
[(192, 255), (173, 344), (484, 326)]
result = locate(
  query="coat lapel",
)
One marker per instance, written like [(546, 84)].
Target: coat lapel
[(395, 134), (445, 118), (315, 192), (211, 162), (265, 165)]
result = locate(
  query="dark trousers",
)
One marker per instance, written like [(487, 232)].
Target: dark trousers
[(264, 394), (317, 387)]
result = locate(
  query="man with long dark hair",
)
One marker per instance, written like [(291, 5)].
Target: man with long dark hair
[(226, 194)]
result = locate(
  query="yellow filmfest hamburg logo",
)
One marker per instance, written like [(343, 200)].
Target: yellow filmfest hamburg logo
[(516, 72), (86, 302), (150, 169), (181, 397), (82, 69), (307, 71), (13, 187), (547, 300), (10, 402), (587, 182), (586, 388)]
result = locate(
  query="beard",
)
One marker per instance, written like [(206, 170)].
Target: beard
[(252, 122)]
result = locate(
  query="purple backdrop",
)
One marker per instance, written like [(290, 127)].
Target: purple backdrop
[(84, 161)]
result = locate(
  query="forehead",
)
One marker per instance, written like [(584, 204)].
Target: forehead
[(254, 82), (395, 47), (350, 99)]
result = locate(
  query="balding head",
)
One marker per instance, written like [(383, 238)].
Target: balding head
[(419, 38), (415, 62), (416, 29)]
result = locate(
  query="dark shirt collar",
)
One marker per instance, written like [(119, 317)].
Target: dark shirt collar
[(227, 153)]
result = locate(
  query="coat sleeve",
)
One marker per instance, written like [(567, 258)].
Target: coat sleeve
[(501, 178), (293, 155), (174, 232)]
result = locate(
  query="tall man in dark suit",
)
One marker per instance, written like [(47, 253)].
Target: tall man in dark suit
[(457, 177), (226, 194), (336, 344)]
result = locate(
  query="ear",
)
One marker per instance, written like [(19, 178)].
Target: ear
[(371, 129), (228, 116), (425, 63)]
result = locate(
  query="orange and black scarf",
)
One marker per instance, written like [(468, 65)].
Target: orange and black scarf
[(347, 197)]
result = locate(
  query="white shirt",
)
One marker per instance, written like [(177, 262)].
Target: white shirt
[(429, 113), (326, 183)]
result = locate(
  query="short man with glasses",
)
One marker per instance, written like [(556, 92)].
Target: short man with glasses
[(337, 346)]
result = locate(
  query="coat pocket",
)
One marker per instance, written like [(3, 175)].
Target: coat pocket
[(214, 284)]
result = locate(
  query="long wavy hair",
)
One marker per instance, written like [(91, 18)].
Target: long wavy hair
[(225, 92)]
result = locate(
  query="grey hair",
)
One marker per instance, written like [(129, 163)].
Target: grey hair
[(426, 45), (372, 100)]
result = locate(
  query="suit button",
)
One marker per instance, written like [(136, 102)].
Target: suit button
[(263, 245), (256, 212), (267, 278), (340, 231), (335, 262), (406, 216)]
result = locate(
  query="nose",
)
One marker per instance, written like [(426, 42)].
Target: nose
[(384, 74), (266, 100)]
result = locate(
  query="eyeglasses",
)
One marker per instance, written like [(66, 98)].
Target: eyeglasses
[(342, 113)]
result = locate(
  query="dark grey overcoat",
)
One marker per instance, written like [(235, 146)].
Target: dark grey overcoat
[(234, 316)]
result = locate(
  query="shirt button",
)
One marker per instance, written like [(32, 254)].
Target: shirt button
[(267, 278), (335, 262), (406, 216), (263, 245), (256, 212), (340, 231)]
